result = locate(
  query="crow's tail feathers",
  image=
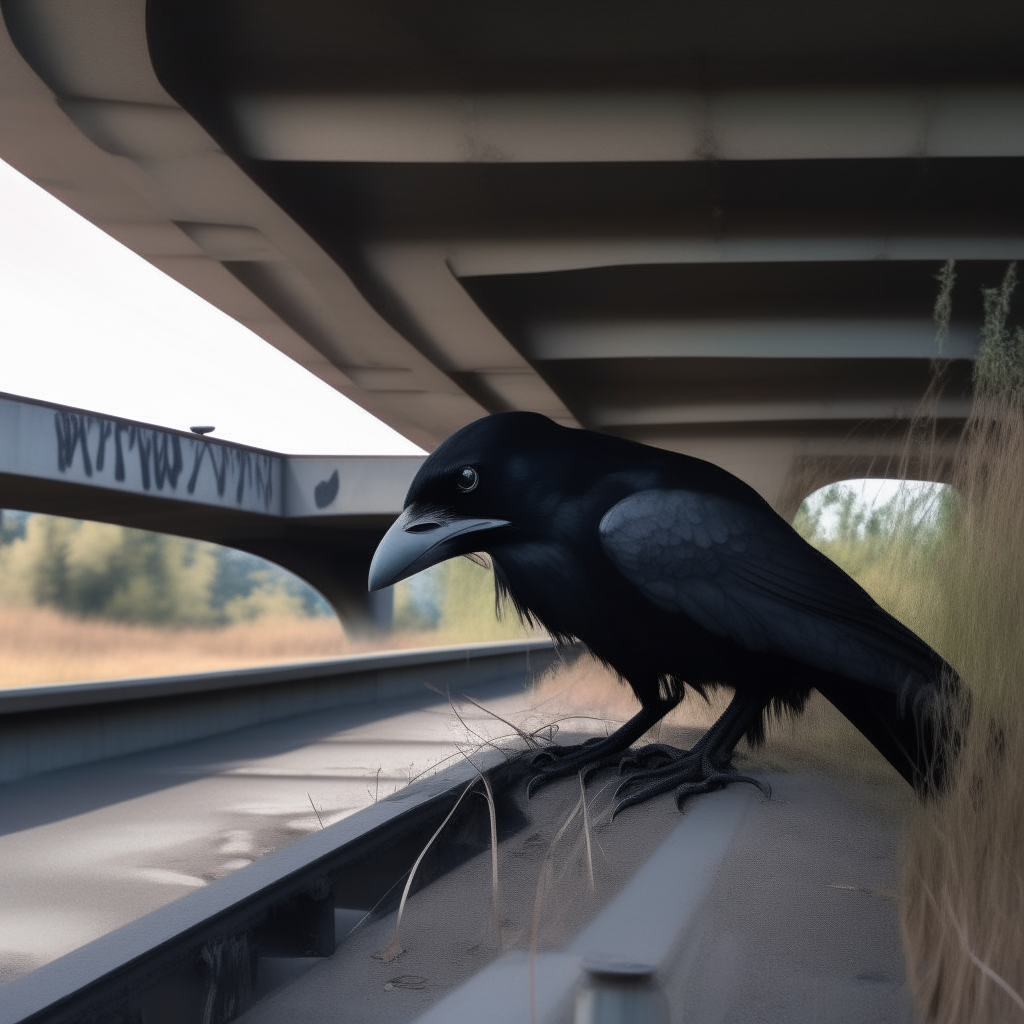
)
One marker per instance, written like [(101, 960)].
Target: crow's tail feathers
[(919, 730)]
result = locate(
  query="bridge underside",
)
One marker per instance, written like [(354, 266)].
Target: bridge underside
[(713, 227)]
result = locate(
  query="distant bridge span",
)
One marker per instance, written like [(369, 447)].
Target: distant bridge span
[(320, 517)]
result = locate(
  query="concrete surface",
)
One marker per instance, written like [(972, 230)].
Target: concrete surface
[(197, 958), (644, 924), (448, 934), (793, 919), (801, 922), (88, 849)]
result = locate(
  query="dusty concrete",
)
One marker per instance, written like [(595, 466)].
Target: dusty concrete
[(448, 931), (799, 925)]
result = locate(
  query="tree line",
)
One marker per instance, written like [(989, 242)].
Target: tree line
[(98, 570)]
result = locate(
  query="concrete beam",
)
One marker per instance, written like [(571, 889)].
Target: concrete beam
[(807, 338), (42, 441), (734, 244), (602, 126), (454, 332), (808, 411), (83, 114)]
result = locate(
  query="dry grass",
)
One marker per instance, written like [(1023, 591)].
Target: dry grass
[(963, 886), (41, 645)]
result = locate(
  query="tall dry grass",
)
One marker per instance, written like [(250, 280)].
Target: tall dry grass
[(42, 645), (959, 583), (963, 885)]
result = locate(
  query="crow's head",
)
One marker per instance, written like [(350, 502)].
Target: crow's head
[(473, 489)]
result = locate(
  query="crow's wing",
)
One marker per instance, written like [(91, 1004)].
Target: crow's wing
[(739, 572)]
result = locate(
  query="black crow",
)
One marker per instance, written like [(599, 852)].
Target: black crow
[(675, 573)]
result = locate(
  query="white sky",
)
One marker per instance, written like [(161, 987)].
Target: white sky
[(86, 322), (871, 493)]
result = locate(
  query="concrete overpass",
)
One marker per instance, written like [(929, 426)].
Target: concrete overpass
[(712, 227), (319, 517)]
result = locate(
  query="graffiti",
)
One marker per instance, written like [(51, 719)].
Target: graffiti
[(326, 491), (161, 457)]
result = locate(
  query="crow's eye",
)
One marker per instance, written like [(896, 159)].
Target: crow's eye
[(466, 479)]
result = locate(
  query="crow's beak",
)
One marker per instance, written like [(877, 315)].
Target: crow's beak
[(418, 540)]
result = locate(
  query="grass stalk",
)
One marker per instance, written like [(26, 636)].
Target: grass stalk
[(394, 948), (538, 905), (954, 573), (586, 834), (493, 813)]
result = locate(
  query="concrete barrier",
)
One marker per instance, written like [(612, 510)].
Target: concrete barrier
[(48, 727)]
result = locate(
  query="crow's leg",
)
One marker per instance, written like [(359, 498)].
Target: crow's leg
[(557, 762), (704, 768)]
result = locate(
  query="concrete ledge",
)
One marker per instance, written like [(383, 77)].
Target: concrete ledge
[(50, 727), (654, 921)]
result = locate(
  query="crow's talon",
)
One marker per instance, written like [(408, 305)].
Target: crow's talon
[(566, 761)]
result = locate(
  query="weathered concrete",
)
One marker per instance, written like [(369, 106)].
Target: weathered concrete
[(45, 442), (749, 910), (731, 228), (644, 924)]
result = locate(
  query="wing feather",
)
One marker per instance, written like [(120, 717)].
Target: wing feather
[(740, 572)]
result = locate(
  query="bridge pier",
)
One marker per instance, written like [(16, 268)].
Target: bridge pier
[(336, 563)]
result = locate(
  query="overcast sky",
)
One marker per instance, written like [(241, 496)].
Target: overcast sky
[(86, 322)]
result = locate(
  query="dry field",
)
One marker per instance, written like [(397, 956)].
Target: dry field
[(40, 645)]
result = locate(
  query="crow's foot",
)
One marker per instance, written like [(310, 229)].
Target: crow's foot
[(584, 759), (693, 773), (559, 762), (653, 755)]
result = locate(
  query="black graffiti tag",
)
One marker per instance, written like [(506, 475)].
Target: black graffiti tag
[(161, 456)]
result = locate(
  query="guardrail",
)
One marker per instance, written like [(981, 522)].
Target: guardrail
[(43, 728)]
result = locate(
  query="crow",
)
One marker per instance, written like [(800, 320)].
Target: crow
[(676, 574)]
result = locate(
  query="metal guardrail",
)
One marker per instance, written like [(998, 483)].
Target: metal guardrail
[(48, 727)]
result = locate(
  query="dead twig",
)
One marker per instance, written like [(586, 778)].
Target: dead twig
[(315, 811)]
